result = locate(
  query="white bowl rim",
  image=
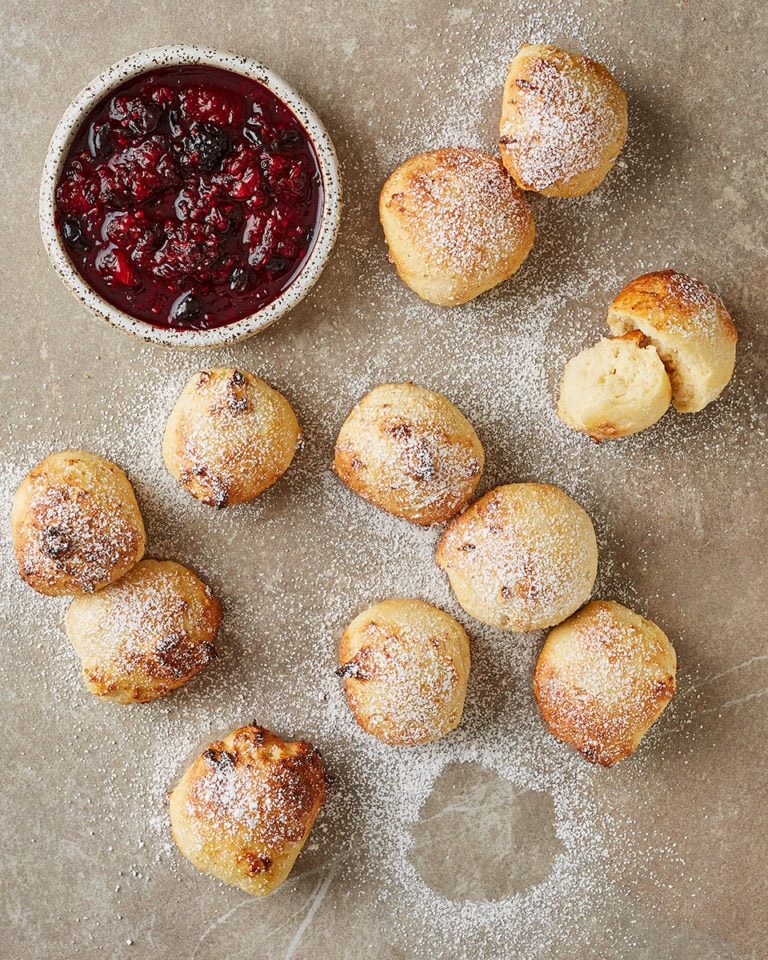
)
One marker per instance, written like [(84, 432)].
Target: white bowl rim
[(184, 55)]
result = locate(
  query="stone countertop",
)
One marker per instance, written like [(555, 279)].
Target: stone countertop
[(496, 842)]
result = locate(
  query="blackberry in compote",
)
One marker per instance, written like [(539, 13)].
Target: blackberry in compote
[(190, 197)]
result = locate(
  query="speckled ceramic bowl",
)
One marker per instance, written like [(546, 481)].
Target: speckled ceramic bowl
[(69, 124)]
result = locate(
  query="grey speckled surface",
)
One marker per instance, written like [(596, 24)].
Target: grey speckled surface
[(428, 853)]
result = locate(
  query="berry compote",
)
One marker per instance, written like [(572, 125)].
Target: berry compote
[(190, 197)]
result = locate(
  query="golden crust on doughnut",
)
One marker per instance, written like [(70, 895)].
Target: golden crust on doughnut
[(145, 635), (244, 808), (603, 678), (76, 525), (689, 326), (522, 557), (229, 437), (410, 451), (563, 121), (455, 224), (405, 666)]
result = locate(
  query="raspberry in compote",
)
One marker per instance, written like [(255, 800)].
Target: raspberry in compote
[(190, 197)]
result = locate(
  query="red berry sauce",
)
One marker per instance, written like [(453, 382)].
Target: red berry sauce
[(190, 197)]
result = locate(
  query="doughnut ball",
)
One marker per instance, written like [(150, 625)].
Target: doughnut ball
[(145, 635), (411, 452), (75, 524), (563, 121), (616, 388), (603, 678), (405, 666), (690, 328), (455, 224), (244, 808), (229, 437), (521, 558)]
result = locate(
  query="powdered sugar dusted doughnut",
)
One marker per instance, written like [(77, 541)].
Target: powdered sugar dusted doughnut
[(75, 524), (522, 557), (244, 808), (405, 666), (603, 678), (145, 635), (229, 437), (563, 121), (455, 224), (690, 328), (411, 452)]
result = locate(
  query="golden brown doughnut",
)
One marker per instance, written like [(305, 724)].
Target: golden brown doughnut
[(145, 635), (603, 678), (411, 452), (563, 121), (75, 524), (690, 328), (455, 224), (244, 808), (405, 666), (522, 557), (229, 437)]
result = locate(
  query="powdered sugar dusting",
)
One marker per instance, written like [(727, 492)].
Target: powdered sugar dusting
[(76, 529), (523, 557), (706, 314), (561, 120), (603, 678), (408, 450), (668, 300), (405, 667), (146, 634), (461, 211), (254, 787), (231, 436)]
